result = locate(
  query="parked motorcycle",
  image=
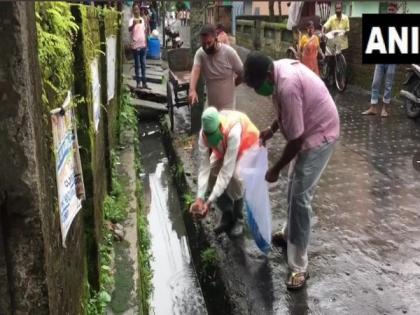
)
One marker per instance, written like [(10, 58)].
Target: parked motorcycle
[(411, 93)]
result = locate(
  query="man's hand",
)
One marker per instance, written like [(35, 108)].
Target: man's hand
[(193, 97), (206, 208), (272, 175), (199, 208), (265, 135)]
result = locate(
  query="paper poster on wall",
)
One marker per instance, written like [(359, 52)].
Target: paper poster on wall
[(111, 47), (68, 169), (96, 92)]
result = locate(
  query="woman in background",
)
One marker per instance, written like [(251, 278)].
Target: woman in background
[(137, 28), (309, 48)]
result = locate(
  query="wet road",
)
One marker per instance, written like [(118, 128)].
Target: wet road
[(364, 256)]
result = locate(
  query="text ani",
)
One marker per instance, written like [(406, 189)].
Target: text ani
[(406, 39)]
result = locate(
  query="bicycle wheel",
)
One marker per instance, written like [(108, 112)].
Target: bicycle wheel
[(340, 72)]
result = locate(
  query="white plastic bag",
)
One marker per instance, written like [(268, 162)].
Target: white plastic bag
[(251, 169)]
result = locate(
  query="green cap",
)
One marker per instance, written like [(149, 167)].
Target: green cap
[(210, 122)]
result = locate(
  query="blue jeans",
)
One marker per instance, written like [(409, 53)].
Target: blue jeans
[(140, 62), (381, 71), (304, 173)]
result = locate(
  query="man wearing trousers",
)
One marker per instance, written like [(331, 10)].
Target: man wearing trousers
[(307, 117), (224, 138)]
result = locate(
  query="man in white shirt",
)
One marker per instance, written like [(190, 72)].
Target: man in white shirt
[(221, 67), (224, 137)]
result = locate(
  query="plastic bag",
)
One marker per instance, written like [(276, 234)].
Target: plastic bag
[(251, 169)]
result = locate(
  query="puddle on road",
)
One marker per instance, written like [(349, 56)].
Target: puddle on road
[(176, 287)]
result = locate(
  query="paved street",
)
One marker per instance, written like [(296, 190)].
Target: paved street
[(364, 255)]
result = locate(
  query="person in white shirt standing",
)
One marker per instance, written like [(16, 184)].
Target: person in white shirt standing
[(137, 28), (223, 139), (221, 67)]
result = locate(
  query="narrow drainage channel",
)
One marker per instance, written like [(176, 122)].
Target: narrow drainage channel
[(176, 286)]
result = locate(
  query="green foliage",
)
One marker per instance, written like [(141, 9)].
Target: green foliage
[(115, 205), (208, 257), (144, 254), (57, 32), (114, 210), (188, 199), (144, 257), (112, 21), (128, 114), (209, 263), (99, 300), (178, 170), (90, 33)]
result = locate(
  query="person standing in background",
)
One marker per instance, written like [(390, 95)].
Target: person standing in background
[(222, 37), (153, 19), (221, 68), (309, 48), (137, 28), (383, 72), (338, 22)]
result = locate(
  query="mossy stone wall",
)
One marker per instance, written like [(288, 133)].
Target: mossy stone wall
[(46, 51)]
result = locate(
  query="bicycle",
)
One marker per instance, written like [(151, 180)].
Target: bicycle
[(334, 62)]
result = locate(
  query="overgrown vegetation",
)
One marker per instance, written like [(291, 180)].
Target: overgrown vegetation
[(188, 199), (57, 30), (116, 204), (209, 263), (129, 123), (115, 211), (98, 301), (128, 116)]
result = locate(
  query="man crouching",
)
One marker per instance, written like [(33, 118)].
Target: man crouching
[(223, 139)]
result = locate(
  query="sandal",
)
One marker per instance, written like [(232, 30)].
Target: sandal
[(296, 280), (370, 111)]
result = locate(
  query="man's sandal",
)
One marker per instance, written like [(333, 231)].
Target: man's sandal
[(296, 280)]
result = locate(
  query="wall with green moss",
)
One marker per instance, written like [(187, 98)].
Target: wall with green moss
[(93, 154), (56, 34), (110, 26), (46, 51)]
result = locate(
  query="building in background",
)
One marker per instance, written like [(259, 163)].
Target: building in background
[(220, 12), (262, 8), (358, 8)]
